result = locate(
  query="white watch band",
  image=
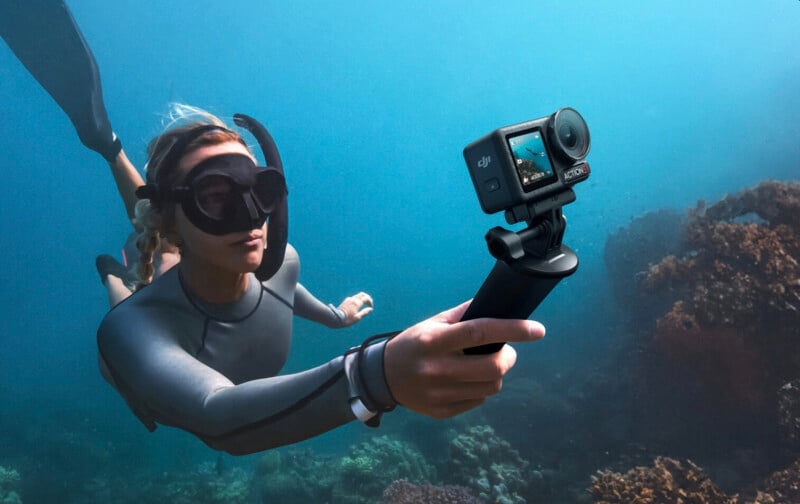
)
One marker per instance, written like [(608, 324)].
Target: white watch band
[(360, 411), (356, 405)]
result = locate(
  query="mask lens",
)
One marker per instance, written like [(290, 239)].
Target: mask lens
[(212, 194)]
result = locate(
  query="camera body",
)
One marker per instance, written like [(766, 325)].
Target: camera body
[(515, 167)]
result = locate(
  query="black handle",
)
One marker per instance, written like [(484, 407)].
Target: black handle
[(514, 292)]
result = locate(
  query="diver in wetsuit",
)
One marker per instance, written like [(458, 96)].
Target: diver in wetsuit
[(209, 346), (200, 348)]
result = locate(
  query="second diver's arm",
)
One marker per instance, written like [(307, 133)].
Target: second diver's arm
[(349, 312), (309, 307), (127, 179)]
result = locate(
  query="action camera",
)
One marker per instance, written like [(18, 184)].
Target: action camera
[(528, 170), (518, 165)]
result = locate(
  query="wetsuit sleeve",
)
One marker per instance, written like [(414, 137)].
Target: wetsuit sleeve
[(161, 380), (311, 308)]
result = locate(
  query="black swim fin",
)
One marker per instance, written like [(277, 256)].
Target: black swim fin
[(44, 36)]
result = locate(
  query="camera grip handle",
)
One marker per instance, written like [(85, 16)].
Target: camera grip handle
[(514, 291)]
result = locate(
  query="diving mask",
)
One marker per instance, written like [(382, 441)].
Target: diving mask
[(228, 193)]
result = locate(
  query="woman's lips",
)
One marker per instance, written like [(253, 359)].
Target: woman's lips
[(251, 240)]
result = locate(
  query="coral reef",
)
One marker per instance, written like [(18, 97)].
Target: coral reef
[(483, 461), (295, 476), (775, 202), (404, 492), (359, 477), (666, 482), (789, 415), (782, 487), (205, 484), (371, 466), (711, 349), (740, 273), (8, 481), (738, 321), (720, 358), (631, 250)]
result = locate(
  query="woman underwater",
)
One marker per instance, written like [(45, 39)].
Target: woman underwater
[(200, 348)]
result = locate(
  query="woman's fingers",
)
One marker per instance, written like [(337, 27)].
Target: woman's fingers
[(456, 367), (472, 333)]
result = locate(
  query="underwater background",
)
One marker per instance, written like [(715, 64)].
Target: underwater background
[(371, 104)]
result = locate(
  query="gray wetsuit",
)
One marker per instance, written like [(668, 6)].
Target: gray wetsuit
[(213, 369)]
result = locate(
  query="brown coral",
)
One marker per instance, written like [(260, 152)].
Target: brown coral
[(782, 487), (741, 274), (720, 358), (775, 202), (669, 482), (669, 271), (666, 482), (740, 306), (789, 415), (744, 274), (404, 492)]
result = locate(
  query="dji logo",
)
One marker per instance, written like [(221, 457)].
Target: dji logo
[(484, 161)]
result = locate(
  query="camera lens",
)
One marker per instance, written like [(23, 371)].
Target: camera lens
[(570, 134)]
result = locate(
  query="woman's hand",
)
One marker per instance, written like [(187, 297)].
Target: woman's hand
[(428, 372), (356, 308)]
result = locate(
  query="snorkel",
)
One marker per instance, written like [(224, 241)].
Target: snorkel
[(278, 227), (277, 213)]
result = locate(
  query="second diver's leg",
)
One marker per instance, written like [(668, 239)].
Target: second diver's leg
[(117, 290), (118, 281)]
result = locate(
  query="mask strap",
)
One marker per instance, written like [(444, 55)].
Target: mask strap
[(179, 147), (152, 189)]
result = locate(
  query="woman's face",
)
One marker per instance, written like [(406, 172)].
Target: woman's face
[(239, 252)]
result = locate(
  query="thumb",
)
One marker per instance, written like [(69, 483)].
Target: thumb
[(454, 314)]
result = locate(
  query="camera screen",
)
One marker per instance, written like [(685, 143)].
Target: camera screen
[(531, 159)]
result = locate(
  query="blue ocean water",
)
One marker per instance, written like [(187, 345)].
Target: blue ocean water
[(371, 105)]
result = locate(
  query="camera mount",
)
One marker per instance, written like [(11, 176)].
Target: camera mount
[(530, 263)]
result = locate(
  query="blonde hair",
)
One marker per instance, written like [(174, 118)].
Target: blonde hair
[(155, 221)]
